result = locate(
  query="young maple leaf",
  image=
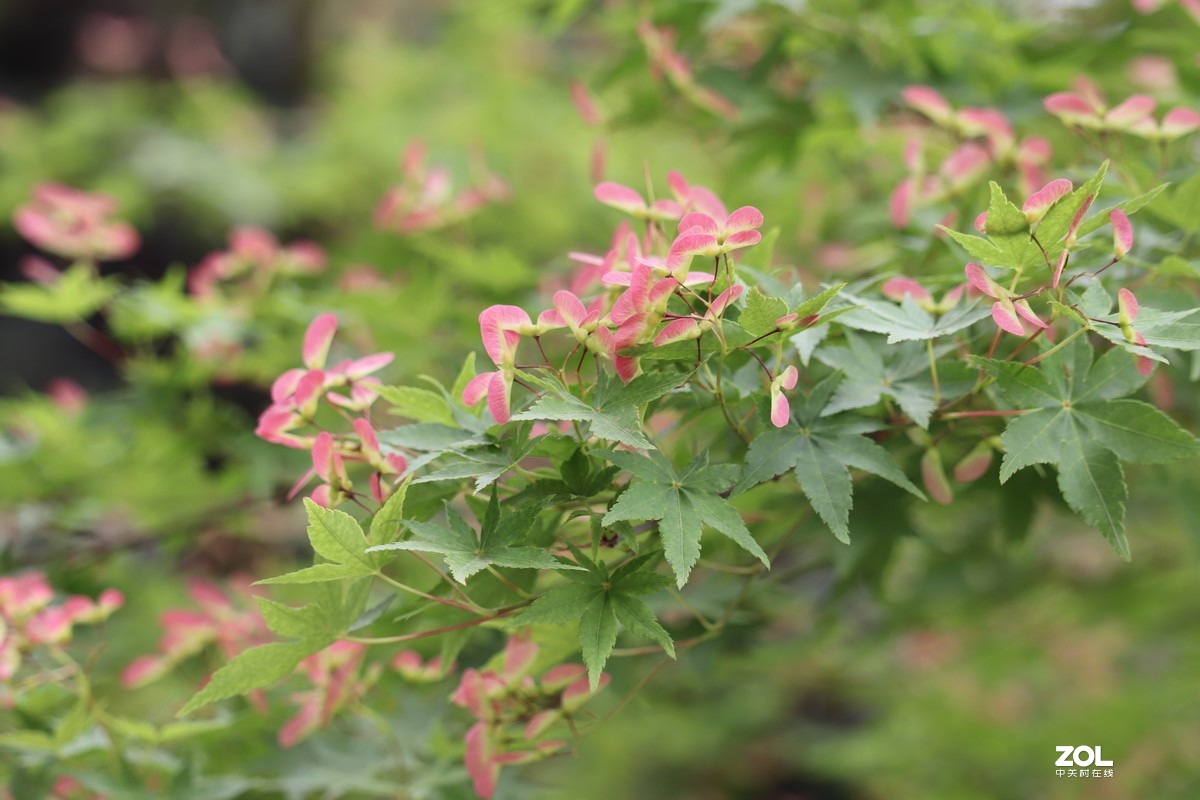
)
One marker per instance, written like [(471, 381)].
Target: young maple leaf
[(599, 599), (497, 543), (820, 450), (683, 504), (339, 541)]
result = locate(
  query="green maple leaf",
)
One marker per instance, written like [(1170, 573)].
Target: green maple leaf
[(820, 450), (682, 504), (496, 544), (907, 321), (484, 464), (614, 412), (599, 600), (77, 294), (1009, 242), (760, 312), (253, 669), (337, 538), (1171, 330), (1077, 422), (902, 372)]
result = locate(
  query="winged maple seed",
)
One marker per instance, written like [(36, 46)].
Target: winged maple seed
[(336, 680), (425, 199), (253, 255), (75, 224), (32, 624), (781, 412), (899, 288), (1009, 309), (1150, 6), (510, 695), (1128, 308), (666, 60), (297, 396), (1041, 201), (1086, 108), (632, 308), (991, 143), (217, 617)]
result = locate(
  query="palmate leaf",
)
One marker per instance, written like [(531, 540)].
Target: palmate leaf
[(820, 451), (496, 545), (683, 504), (1010, 244), (1008, 231), (432, 437), (873, 371), (599, 600), (253, 669), (613, 413), (77, 294), (420, 405), (907, 321), (314, 626), (1171, 330), (760, 312), (1077, 422), (338, 539)]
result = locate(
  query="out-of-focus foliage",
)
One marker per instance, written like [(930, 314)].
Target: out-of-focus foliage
[(943, 650)]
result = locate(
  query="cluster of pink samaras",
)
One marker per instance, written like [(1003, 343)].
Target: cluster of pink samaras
[(629, 289), (990, 143), (215, 619), (253, 255), (30, 620), (1011, 310), (74, 224), (514, 711), (425, 199), (1087, 108), (1192, 7), (666, 61), (348, 385)]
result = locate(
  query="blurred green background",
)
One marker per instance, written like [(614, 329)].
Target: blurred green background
[(942, 656)]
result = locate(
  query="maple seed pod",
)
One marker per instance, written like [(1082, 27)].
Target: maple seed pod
[(1040, 201), (1122, 232), (933, 474), (974, 465)]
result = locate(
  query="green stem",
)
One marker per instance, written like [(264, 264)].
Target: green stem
[(1057, 347), (937, 387), (472, 608), (408, 637), (512, 586)]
